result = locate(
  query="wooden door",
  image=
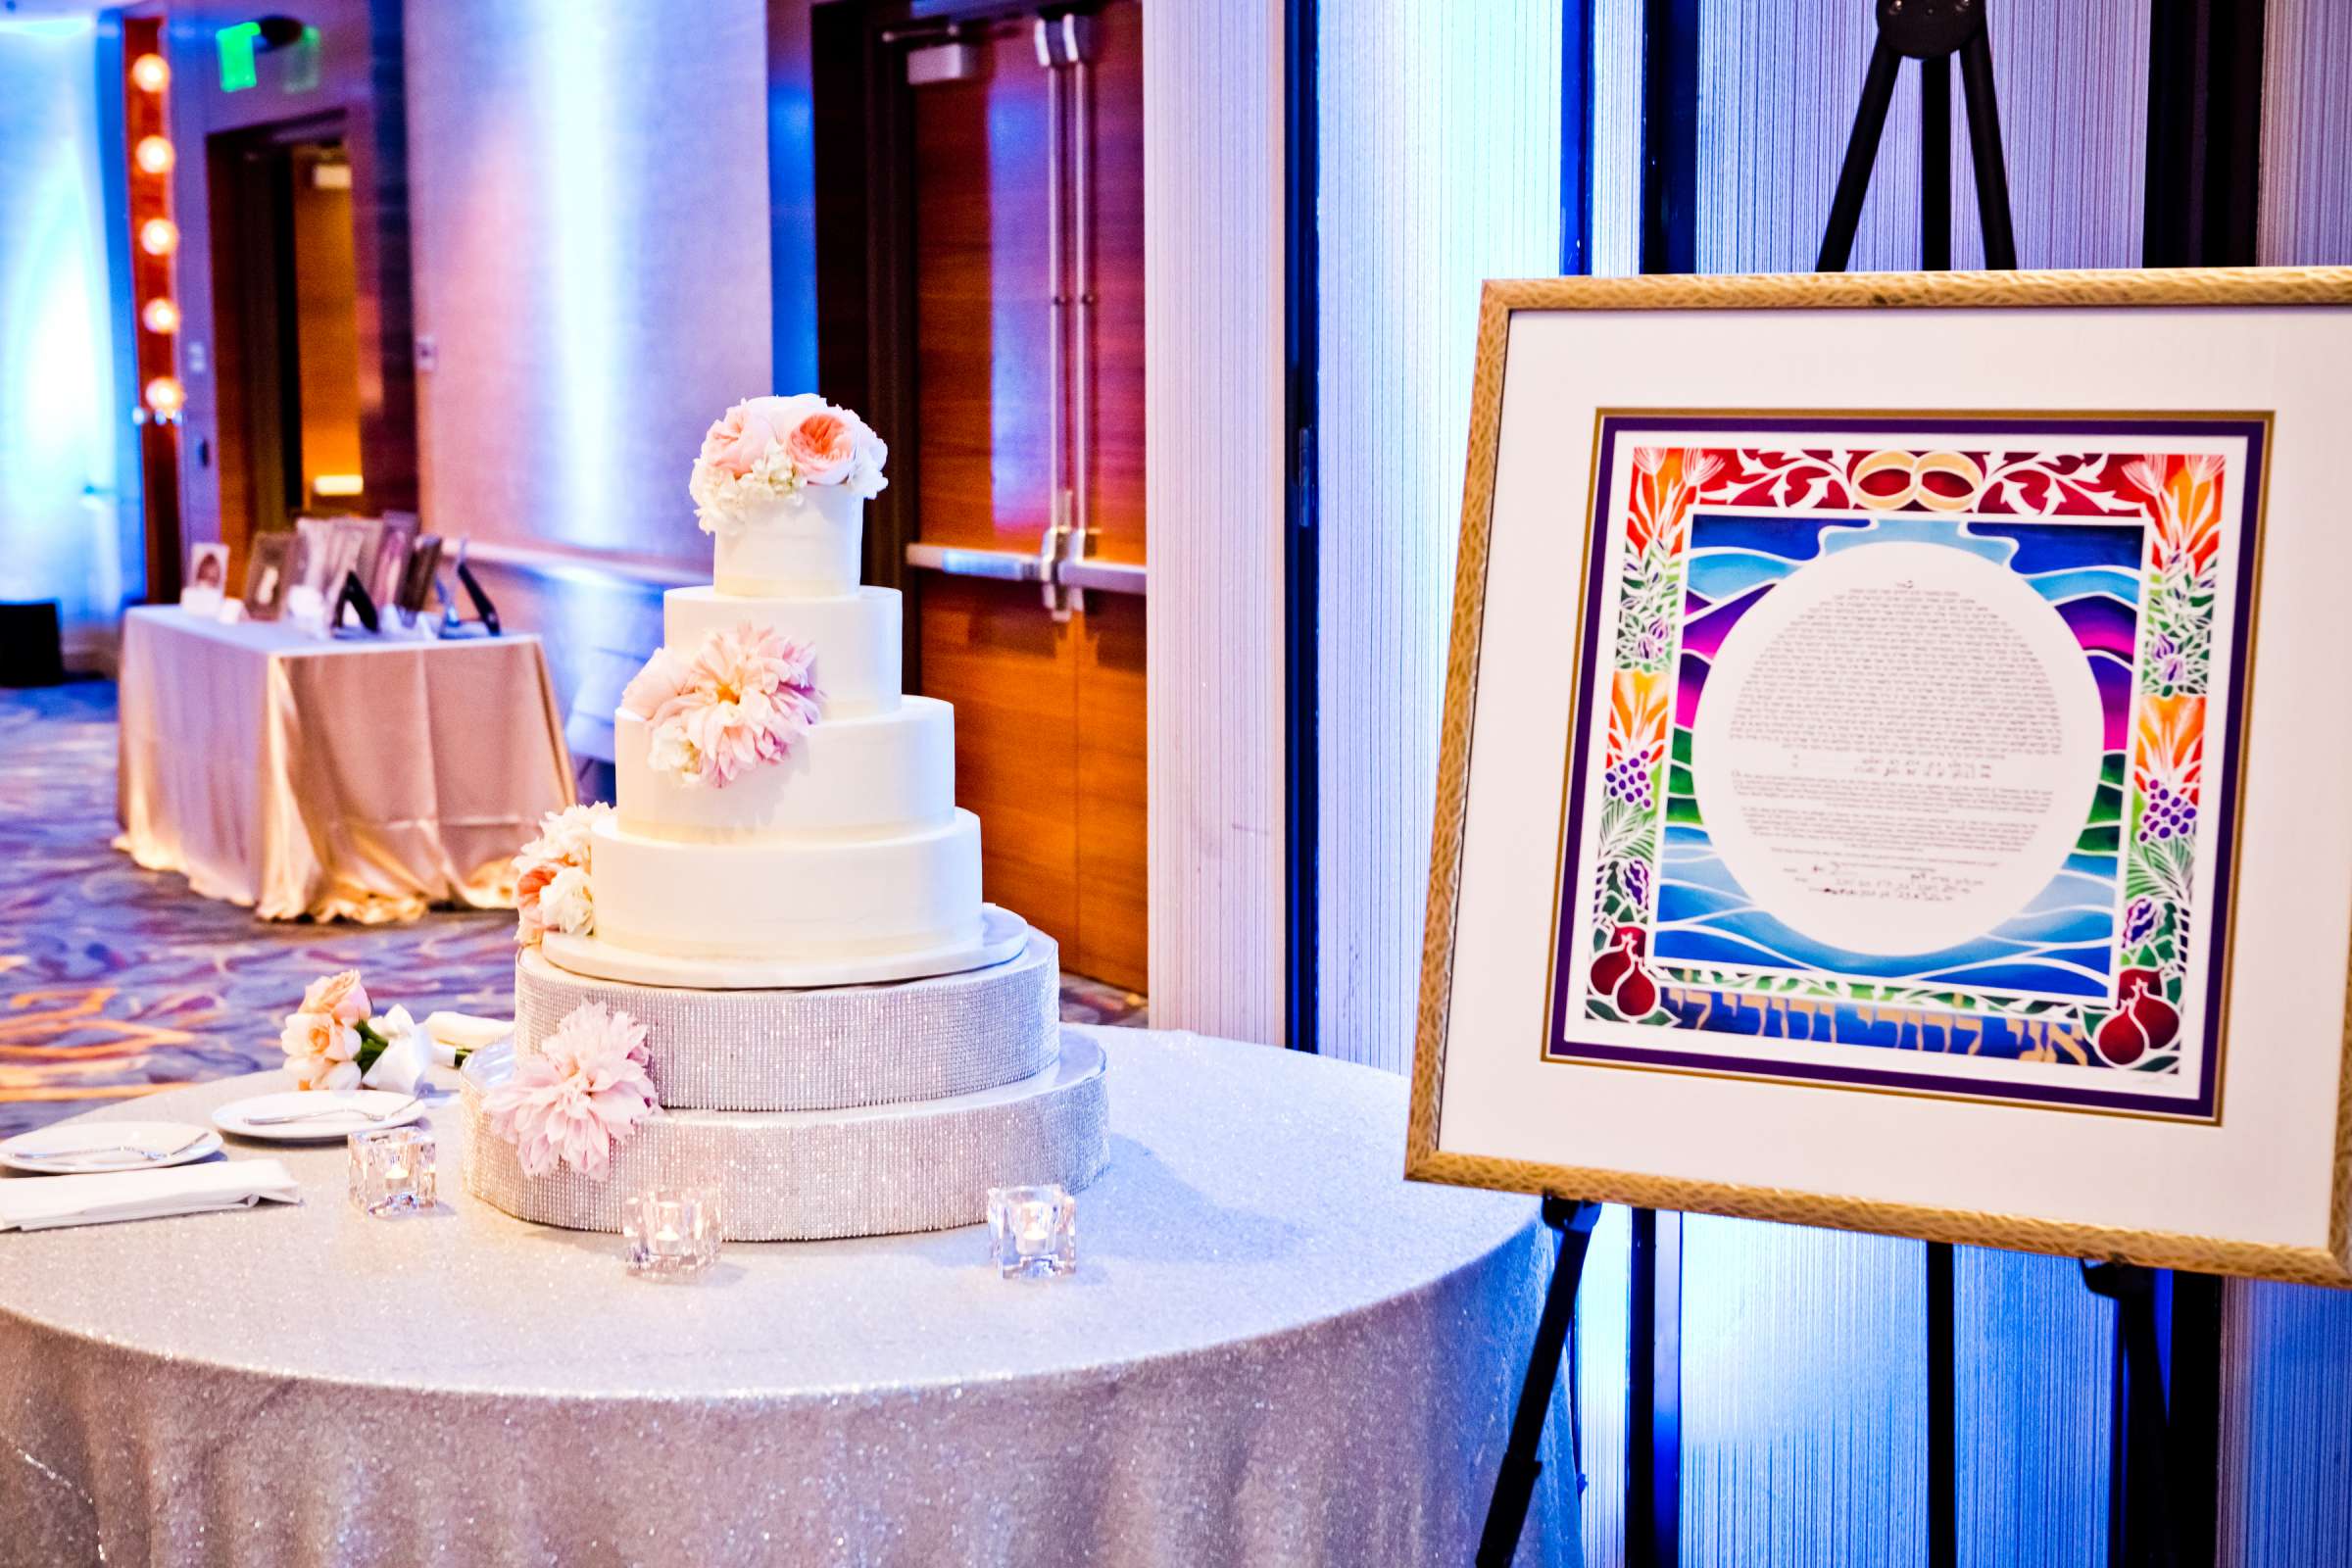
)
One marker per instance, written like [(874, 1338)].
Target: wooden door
[(1048, 714)]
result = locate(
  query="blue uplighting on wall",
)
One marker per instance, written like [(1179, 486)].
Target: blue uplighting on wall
[(58, 425)]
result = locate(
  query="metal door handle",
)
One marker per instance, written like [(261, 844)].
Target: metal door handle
[(1107, 576), (1019, 566), (1000, 566)]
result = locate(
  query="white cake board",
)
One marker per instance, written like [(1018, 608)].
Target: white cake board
[(1002, 935)]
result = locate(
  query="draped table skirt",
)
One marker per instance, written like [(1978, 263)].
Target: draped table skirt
[(1274, 1350), (351, 778)]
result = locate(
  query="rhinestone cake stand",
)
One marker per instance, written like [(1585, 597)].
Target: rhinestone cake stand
[(833, 1111)]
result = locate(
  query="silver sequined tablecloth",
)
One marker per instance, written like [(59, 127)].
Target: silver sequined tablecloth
[(1275, 1351)]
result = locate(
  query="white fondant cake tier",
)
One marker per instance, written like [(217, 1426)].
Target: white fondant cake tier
[(1000, 936), (815, 900), (846, 778), (854, 634), (808, 545)]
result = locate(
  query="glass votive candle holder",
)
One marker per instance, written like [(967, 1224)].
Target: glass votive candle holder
[(1033, 1230), (392, 1171), (670, 1232)]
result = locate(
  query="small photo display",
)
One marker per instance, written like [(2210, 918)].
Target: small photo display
[(207, 568), (425, 564), (268, 574), (391, 562)]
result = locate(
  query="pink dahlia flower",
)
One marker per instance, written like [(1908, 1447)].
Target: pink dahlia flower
[(580, 1095), (749, 697)]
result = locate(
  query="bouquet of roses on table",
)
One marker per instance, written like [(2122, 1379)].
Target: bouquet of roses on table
[(333, 1042)]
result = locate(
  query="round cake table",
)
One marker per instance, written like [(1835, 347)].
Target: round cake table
[(1274, 1350)]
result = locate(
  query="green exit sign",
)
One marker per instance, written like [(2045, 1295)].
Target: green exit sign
[(239, 46)]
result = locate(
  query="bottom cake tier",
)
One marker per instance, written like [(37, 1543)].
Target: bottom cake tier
[(874, 1170)]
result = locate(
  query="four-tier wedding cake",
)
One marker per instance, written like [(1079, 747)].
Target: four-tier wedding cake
[(767, 968)]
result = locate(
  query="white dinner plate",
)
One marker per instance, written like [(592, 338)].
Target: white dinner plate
[(237, 1117), (81, 1148)]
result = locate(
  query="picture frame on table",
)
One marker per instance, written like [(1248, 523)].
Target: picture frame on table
[(207, 568), (416, 582), (391, 560), (1920, 852), (314, 554), (268, 574)]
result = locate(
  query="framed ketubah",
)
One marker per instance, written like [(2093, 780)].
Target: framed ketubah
[(1897, 761)]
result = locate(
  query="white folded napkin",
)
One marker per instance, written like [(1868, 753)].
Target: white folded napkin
[(454, 1032), (43, 1202)]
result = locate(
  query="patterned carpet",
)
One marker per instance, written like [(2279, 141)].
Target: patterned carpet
[(117, 981)]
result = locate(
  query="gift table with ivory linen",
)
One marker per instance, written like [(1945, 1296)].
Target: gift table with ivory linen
[(354, 777), (1274, 1350)]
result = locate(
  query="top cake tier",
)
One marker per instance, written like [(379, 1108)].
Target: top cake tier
[(809, 545)]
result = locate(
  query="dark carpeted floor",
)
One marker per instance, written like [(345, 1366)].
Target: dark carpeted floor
[(117, 981)]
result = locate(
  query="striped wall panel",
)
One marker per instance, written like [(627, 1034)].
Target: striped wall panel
[(1213, 351), (1440, 127), (2306, 215)]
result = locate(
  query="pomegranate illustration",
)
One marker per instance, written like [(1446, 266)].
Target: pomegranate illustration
[(2142, 1022), (1618, 974)]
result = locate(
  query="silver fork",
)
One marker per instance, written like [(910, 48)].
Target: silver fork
[(75, 1156), (334, 1110)]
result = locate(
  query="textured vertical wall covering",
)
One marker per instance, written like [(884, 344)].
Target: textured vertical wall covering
[(2286, 1426), (1778, 85), (1601, 1338), (1441, 138), (1616, 121), (591, 260), (2306, 134), (2032, 1359), (59, 420), (1213, 357), (1803, 1398)]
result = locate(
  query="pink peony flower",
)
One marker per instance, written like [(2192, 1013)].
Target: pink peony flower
[(822, 448), (578, 1097), (749, 695)]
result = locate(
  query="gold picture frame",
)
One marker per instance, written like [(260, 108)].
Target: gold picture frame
[(1430, 1155)]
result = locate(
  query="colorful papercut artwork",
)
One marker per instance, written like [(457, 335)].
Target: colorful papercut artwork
[(1906, 757)]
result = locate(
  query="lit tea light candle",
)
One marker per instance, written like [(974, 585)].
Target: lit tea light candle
[(1033, 1230), (670, 1232), (392, 1171)]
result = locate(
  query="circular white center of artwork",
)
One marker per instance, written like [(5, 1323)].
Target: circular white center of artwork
[(1896, 747)]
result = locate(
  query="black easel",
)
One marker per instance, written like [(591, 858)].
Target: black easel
[(2145, 1508), (1930, 32), (1515, 1483)]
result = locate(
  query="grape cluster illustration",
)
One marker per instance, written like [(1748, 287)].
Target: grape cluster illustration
[(2169, 815), (1629, 781)]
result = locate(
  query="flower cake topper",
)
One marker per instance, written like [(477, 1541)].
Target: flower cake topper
[(774, 448), (744, 698), (578, 1097)]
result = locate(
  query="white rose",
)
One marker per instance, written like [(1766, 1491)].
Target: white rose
[(865, 480), (668, 751), (565, 903)]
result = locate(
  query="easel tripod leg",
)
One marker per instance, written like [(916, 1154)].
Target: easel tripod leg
[(1984, 152), (1515, 1483), (1861, 153)]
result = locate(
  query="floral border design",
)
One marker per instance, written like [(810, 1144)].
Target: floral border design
[(2180, 498)]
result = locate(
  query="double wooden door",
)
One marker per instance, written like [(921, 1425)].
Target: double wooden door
[(1023, 179)]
